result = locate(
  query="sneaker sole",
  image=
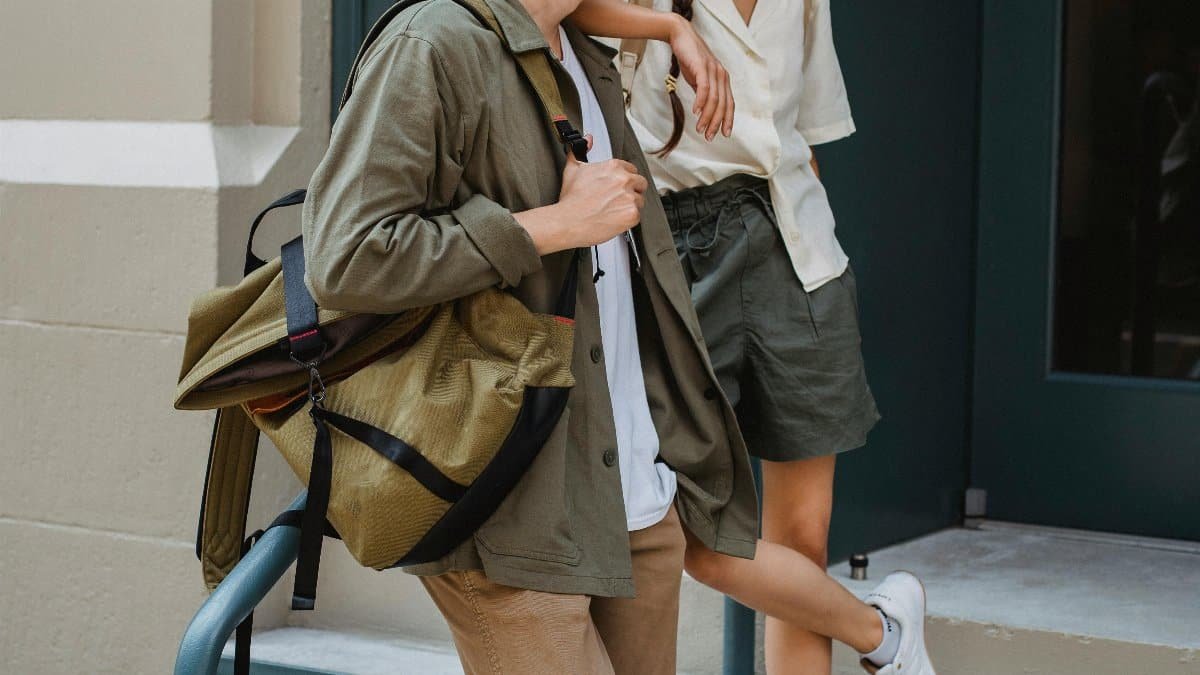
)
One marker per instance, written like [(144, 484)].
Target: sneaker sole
[(924, 617)]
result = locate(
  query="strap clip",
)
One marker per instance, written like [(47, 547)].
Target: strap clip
[(571, 138), (316, 385)]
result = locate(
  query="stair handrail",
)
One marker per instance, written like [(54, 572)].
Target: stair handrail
[(236, 596)]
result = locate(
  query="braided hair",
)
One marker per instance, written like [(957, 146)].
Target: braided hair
[(684, 9)]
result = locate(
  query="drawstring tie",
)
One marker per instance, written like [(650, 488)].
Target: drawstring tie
[(746, 196), (729, 209)]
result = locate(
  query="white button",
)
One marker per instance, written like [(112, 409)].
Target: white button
[(794, 237)]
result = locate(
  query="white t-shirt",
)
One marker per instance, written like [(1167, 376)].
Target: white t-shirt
[(648, 486), (790, 95)]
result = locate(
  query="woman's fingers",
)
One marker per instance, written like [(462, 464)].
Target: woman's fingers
[(729, 102), (703, 90), (711, 105), (718, 120)]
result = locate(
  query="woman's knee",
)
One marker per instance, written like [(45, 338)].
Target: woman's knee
[(807, 536), (798, 504), (705, 565)]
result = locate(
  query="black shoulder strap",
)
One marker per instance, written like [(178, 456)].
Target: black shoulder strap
[(304, 337), (253, 262)]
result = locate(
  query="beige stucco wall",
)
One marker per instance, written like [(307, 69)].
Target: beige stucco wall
[(137, 140)]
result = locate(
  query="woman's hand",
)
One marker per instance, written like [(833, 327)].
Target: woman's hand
[(714, 95), (697, 64)]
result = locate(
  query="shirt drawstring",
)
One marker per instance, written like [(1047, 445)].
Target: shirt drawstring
[(635, 259), (599, 272)]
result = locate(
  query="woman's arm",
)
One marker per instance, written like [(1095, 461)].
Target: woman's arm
[(619, 19), (700, 68)]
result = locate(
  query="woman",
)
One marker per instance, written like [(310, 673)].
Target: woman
[(774, 293)]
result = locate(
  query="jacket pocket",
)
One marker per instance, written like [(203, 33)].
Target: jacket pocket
[(534, 521)]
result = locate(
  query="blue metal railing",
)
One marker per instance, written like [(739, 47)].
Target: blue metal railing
[(265, 564), (233, 600)]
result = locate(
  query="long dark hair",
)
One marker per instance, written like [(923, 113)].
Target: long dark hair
[(684, 9)]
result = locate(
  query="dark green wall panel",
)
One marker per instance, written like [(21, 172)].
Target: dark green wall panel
[(351, 20), (903, 192)]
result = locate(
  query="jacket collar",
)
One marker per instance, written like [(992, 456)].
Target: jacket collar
[(521, 33)]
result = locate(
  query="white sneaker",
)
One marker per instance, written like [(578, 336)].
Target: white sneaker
[(902, 597)]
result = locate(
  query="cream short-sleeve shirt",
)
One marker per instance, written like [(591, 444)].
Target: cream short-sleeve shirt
[(789, 95)]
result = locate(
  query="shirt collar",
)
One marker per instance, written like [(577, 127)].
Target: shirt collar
[(727, 14)]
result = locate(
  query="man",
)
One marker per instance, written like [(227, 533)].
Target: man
[(442, 179)]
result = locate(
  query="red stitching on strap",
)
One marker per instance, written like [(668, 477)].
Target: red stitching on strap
[(303, 335)]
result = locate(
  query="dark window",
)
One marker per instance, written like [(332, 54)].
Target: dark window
[(1127, 286)]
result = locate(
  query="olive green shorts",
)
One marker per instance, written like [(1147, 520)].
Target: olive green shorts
[(789, 361)]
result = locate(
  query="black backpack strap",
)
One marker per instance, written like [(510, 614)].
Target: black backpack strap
[(304, 334), (241, 639), (253, 262), (312, 522), (307, 347), (397, 452)]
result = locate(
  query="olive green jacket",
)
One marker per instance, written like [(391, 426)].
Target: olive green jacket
[(440, 143)]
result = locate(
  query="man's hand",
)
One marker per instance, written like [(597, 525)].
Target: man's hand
[(597, 202)]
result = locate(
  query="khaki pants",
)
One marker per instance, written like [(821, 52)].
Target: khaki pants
[(500, 630)]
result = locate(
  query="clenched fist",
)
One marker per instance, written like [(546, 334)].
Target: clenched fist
[(597, 202), (607, 198)]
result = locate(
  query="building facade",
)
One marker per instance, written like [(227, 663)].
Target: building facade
[(1031, 328)]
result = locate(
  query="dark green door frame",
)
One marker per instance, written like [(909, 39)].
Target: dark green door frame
[(1107, 453)]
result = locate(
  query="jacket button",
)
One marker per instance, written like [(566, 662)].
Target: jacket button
[(610, 457), (596, 353), (710, 394)]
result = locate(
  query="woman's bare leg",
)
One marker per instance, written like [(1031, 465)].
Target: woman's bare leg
[(804, 605), (797, 504)]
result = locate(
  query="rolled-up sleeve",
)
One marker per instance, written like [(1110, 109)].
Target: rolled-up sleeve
[(383, 231), (824, 114)]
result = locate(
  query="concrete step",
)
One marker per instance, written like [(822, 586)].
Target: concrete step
[(1003, 600), (312, 651), (288, 651), (1007, 599)]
